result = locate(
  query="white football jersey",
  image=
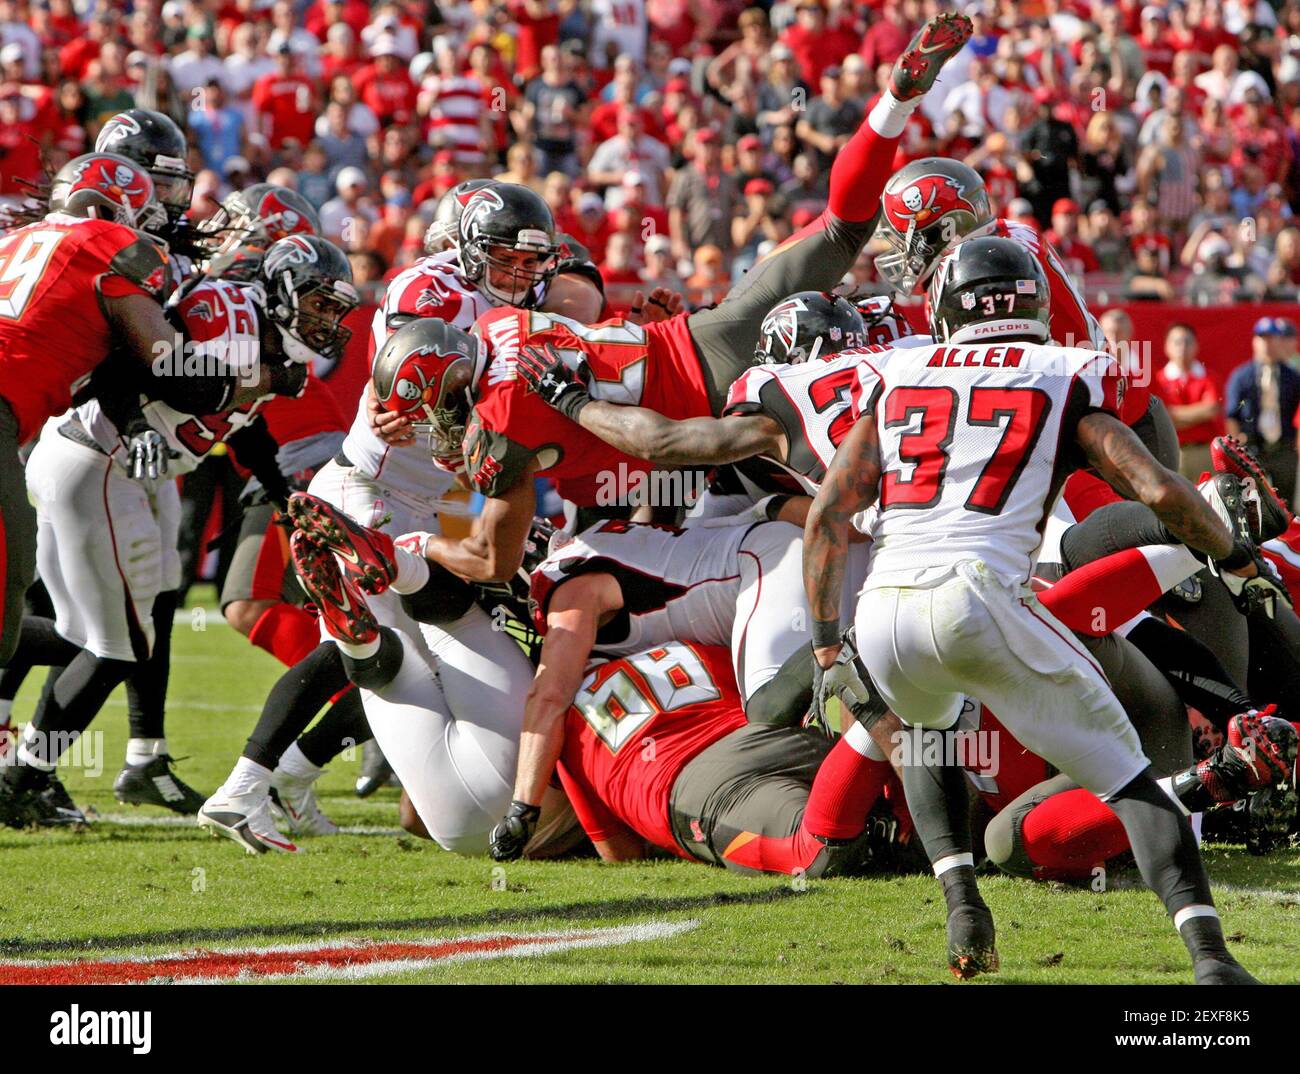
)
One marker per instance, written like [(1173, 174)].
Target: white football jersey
[(975, 442), (222, 322), (813, 402), (432, 287), (677, 583)]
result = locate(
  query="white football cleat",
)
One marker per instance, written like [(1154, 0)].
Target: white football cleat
[(293, 800), (245, 818)]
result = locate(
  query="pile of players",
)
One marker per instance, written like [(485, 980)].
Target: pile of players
[(926, 569)]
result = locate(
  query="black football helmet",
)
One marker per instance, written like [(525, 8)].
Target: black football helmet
[(152, 140), (443, 232), (425, 371), (806, 326), (987, 288), (500, 220), (308, 284), (258, 216), (928, 206)]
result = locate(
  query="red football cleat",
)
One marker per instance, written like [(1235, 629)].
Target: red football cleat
[(934, 45), (338, 599), (1228, 456), (364, 554), (1268, 743)]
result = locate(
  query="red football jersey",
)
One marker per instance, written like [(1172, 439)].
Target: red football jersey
[(53, 331), (998, 766), (634, 725), (654, 366), (1284, 553), (315, 411)]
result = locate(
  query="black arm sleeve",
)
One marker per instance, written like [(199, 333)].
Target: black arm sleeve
[(1192, 669), (256, 450), (118, 394)]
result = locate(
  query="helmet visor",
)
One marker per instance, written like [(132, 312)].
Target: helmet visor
[(911, 257)]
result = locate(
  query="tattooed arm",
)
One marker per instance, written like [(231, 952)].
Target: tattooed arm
[(1126, 465), (851, 485), (647, 434)]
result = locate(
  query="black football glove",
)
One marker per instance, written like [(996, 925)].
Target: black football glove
[(512, 833), (544, 371), (289, 379), (847, 681), (147, 453)]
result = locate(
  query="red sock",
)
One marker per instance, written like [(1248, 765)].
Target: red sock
[(287, 632), (1071, 833), (859, 174), (844, 790), (1084, 493), (1097, 597)]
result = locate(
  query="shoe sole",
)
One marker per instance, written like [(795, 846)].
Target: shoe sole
[(354, 623), (239, 833), (324, 527), (920, 64), (280, 812), (1239, 464)]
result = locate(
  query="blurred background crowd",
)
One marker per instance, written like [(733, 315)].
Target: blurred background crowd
[(1157, 144)]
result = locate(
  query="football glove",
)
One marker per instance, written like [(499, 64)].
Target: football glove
[(289, 379), (544, 371), (848, 682), (147, 453), (513, 831), (1264, 591)]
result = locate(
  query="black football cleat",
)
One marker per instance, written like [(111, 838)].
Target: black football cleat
[(375, 771), (971, 946), (1214, 971), (32, 798), (154, 783), (1228, 456)]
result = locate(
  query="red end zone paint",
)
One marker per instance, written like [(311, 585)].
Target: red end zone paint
[(337, 959)]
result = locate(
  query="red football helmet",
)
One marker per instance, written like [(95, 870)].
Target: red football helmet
[(927, 208), (424, 371), (105, 186)]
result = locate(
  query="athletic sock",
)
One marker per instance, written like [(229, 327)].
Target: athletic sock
[(936, 794), (287, 632), (39, 644), (143, 750), (956, 873), (846, 786), (146, 687), (248, 777), (31, 750), (293, 762), (1069, 834), (294, 702), (1097, 597), (75, 700), (343, 725), (862, 168), (889, 116), (1202, 932), (379, 665)]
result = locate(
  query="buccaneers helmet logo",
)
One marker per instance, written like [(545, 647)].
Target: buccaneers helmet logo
[(782, 323), (280, 220), (923, 202)]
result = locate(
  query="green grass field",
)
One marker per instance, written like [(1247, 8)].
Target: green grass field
[(125, 888)]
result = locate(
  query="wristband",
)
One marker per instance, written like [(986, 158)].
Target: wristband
[(523, 810), (774, 505), (570, 404), (825, 633)]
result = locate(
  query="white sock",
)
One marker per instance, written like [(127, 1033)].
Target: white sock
[(293, 762), (248, 777), (1196, 819), (953, 861), (1166, 784), (358, 650), (26, 746), (144, 750), (890, 115), (861, 742), (412, 568), (1195, 910)]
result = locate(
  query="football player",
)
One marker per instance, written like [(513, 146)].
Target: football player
[(248, 222), (965, 446), (116, 597), (85, 281), (679, 366), (713, 788)]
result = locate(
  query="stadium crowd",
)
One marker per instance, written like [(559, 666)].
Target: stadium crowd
[(1157, 144)]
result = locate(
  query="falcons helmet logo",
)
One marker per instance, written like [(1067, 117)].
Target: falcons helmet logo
[(293, 250), (782, 322), (480, 204)]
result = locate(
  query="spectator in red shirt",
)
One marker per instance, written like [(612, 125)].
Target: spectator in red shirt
[(589, 225), (1145, 235), (385, 85), (326, 13), (1192, 399), (620, 272), (1064, 235), (538, 23), (816, 45), (77, 54), (1154, 41), (339, 55), (885, 41), (284, 101), (1259, 138)]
